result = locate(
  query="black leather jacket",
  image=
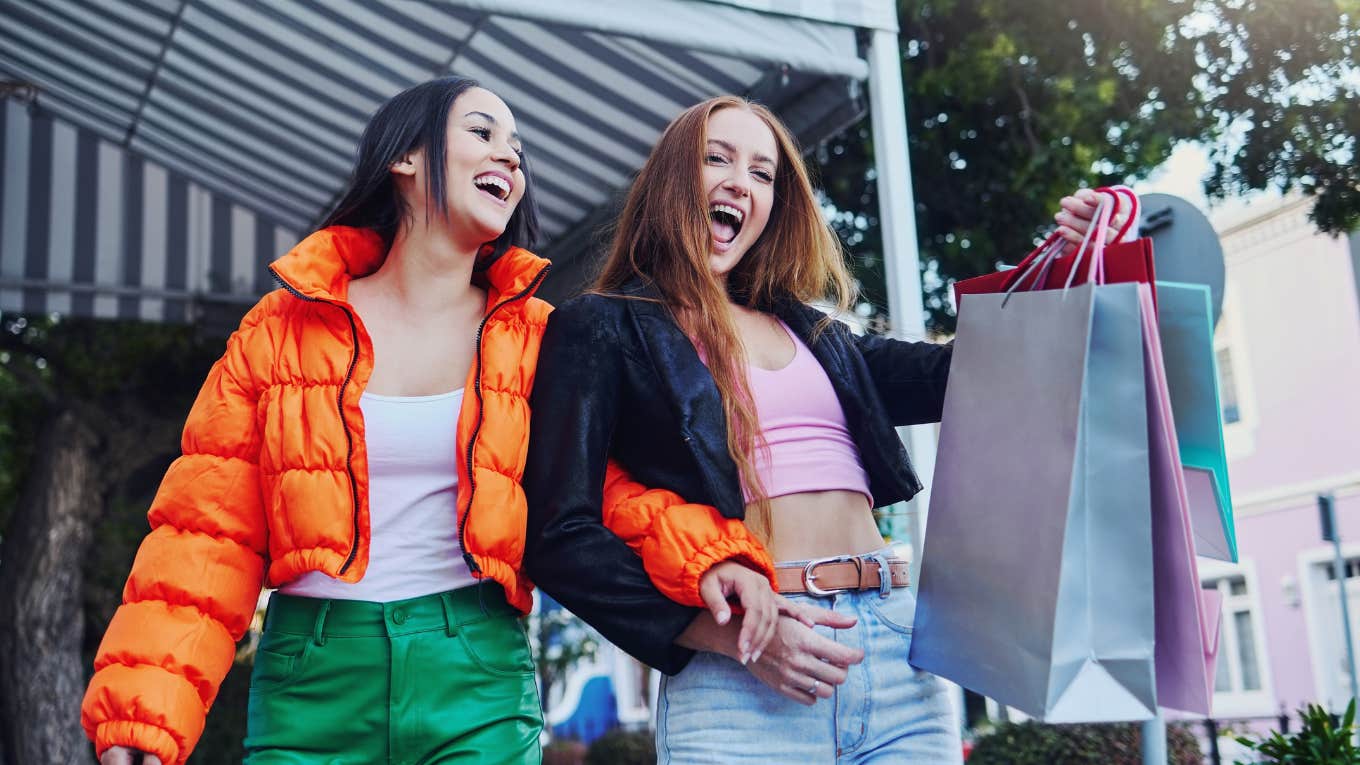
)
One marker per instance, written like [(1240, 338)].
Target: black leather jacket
[(617, 378)]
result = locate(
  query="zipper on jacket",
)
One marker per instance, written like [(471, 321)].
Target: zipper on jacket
[(477, 428), (340, 407)]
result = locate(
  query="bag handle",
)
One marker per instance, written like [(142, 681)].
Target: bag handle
[(1135, 210), (1045, 249), (1041, 260), (1105, 209)]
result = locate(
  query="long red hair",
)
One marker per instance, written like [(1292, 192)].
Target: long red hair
[(663, 237)]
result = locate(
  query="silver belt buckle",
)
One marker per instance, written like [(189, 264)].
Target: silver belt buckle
[(809, 574)]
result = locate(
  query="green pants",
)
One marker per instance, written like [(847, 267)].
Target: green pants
[(444, 678)]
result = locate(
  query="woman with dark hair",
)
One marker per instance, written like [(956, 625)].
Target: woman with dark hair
[(359, 447), (699, 365)]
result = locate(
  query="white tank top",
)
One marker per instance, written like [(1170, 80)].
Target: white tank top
[(412, 503)]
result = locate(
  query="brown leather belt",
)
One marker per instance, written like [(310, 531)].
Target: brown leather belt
[(828, 575)]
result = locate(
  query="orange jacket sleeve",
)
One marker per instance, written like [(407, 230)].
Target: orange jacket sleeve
[(678, 540), (195, 581)]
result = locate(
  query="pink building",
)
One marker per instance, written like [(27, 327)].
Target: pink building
[(1288, 347)]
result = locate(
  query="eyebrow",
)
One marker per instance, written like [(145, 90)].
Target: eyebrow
[(757, 157), (514, 136)]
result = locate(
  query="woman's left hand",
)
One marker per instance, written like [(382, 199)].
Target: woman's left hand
[(1079, 210)]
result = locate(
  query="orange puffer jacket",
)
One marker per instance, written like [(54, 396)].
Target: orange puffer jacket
[(273, 482)]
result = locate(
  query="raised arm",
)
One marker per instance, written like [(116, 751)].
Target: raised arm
[(910, 376)]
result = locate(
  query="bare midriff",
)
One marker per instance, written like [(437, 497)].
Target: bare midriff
[(819, 524)]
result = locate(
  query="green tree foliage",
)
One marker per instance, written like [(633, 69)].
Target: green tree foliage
[(1011, 105), (623, 747), (1322, 740), (131, 384), (1032, 743)]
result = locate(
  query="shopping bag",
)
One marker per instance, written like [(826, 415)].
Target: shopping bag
[(1186, 330), (1187, 616), (1036, 585), (1124, 261)]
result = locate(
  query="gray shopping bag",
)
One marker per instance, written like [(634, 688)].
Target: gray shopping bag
[(1036, 584)]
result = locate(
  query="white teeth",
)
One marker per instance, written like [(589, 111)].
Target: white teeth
[(493, 180), (729, 209)]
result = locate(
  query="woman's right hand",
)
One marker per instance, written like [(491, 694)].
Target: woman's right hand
[(802, 665), (121, 755), (760, 603)]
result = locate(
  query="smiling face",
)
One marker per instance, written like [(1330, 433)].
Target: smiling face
[(740, 162), (483, 181)]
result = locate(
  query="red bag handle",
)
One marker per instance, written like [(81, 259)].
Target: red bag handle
[(1022, 269)]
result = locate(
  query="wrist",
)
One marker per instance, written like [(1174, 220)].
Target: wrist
[(705, 634)]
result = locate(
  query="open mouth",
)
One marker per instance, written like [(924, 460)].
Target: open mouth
[(494, 185), (725, 222)]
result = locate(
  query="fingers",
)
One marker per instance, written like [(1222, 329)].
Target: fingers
[(711, 592), (1078, 206), (826, 650), (760, 618), (117, 755), (1079, 210), (813, 616), (769, 622), (806, 690)]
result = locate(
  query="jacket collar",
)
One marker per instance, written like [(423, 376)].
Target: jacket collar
[(321, 266)]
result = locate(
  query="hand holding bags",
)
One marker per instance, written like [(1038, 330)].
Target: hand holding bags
[(1052, 524)]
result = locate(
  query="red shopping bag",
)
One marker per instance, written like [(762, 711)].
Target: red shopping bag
[(1123, 262)]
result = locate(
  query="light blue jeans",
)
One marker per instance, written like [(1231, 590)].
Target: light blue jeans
[(715, 712)]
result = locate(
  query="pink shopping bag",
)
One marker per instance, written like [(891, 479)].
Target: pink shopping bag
[(1187, 616)]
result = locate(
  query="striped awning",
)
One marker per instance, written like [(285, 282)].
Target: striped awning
[(169, 149)]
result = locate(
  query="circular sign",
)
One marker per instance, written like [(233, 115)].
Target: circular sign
[(1184, 244)]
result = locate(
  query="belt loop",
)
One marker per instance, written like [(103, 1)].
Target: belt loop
[(450, 622), (319, 631), (884, 574), (481, 595)]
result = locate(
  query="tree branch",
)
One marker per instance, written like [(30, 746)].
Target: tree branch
[(1026, 110)]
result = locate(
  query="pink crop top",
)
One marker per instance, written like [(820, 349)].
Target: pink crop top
[(802, 420)]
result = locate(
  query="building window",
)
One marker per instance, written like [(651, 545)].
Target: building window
[(1236, 392), (1227, 387), (1240, 658)]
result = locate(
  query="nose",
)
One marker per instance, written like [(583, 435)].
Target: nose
[(737, 183), (505, 154)]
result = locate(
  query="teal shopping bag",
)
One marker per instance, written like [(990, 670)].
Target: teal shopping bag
[(1184, 315)]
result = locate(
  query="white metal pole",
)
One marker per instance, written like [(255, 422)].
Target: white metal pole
[(901, 259), (897, 219)]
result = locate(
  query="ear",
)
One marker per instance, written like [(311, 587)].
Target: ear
[(406, 165)]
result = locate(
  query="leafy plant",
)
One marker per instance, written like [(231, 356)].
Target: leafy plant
[(1033, 743), (623, 747), (1322, 740)]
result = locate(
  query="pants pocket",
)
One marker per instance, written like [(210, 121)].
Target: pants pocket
[(498, 645), (897, 612), (278, 657)]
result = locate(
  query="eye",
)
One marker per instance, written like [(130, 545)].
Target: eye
[(481, 132), (716, 159), (765, 176)]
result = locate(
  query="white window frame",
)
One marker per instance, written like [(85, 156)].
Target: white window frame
[(1257, 703), (1314, 600), (1230, 335)]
